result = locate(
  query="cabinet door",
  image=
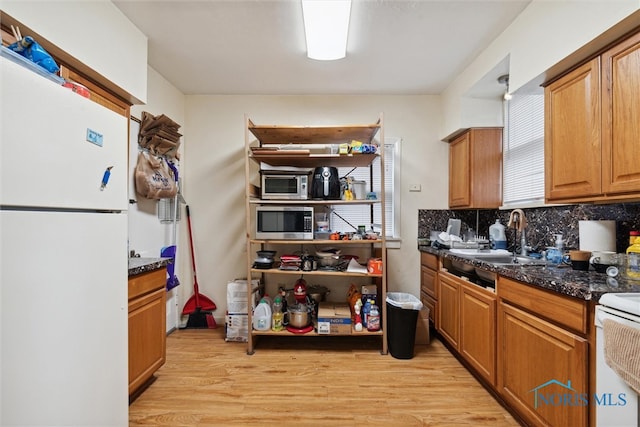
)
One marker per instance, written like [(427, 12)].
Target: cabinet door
[(620, 116), (485, 180), (572, 145), (147, 337), (449, 309), (542, 369), (478, 330), (459, 171)]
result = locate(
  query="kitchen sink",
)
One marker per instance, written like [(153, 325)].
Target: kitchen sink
[(509, 260), (493, 257)]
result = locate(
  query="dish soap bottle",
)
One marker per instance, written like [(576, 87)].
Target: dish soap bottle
[(554, 255), (497, 236), (633, 259)]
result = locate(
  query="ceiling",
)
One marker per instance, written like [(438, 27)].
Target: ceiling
[(258, 47)]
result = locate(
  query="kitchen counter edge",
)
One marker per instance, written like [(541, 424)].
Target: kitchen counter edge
[(584, 285), (144, 265)]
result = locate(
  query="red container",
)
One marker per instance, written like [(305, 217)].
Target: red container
[(374, 265), (78, 88)]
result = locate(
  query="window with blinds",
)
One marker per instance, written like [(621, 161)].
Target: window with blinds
[(523, 151), (347, 218)]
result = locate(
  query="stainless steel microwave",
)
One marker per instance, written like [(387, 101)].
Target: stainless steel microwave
[(279, 185), (284, 222)]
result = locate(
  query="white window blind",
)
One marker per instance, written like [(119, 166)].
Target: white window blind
[(523, 151), (347, 217)]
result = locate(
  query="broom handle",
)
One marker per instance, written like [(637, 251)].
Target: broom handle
[(196, 291)]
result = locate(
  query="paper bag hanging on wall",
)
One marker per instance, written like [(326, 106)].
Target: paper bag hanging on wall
[(153, 178)]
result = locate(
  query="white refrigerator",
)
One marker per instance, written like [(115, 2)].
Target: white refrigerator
[(63, 256)]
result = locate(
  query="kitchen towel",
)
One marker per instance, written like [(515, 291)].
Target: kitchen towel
[(622, 351), (597, 235)]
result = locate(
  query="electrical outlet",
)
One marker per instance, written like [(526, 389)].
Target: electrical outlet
[(415, 187)]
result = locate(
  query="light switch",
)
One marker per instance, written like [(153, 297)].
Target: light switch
[(415, 187)]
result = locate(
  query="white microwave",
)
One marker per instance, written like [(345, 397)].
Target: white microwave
[(284, 222), (279, 185)]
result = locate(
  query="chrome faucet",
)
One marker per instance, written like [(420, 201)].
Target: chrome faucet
[(518, 222)]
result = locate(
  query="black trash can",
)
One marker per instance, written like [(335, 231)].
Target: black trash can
[(402, 318)]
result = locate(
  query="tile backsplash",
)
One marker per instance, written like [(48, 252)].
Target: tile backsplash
[(543, 222)]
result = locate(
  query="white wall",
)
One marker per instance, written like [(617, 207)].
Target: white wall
[(95, 33), (542, 35), (214, 180), (147, 235)]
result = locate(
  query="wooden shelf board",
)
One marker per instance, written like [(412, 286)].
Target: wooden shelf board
[(317, 242), (256, 201), (277, 134), (363, 333), (282, 158), (312, 273)]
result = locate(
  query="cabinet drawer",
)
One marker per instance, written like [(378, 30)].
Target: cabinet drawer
[(428, 281), (429, 260), (147, 282), (561, 309)]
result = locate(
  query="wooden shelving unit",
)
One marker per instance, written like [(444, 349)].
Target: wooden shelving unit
[(268, 144)]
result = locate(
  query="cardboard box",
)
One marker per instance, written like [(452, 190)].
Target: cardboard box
[(334, 319), (237, 327), (422, 328), (237, 301)]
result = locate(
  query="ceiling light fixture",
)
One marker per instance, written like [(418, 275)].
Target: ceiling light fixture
[(505, 81), (326, 26)]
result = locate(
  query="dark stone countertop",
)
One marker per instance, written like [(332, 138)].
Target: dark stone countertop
[(142, 265), (585, 285)]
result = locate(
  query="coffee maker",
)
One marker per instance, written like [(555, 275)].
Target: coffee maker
[(326, 183)]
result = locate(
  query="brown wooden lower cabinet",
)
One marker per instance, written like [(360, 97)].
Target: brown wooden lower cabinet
[(467, 320), (528, 344), (543, 369), (429, 285), (449, 309), (147, 326), (478, 329)]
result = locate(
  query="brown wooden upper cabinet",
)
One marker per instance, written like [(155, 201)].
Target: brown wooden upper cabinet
[(475, 169), (591, 129)]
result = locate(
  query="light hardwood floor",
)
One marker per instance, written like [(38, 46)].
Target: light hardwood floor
[(327, 381)]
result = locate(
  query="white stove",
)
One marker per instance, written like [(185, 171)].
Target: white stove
[(628, 303), (623, 308)]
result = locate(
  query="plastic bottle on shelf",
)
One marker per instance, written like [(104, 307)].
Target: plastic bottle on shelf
[(373, 320), (632, 236), (262, 316), (277, 316), (497, 236), (633, 259), (268, 299)]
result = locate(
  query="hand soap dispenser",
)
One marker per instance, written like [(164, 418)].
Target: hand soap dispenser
[(554, 255), (559, 242)]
